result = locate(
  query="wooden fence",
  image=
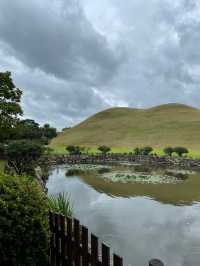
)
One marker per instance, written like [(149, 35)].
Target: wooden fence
[(71, 245)]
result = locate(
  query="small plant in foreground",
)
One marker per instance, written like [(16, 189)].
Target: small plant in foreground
[(60, 204)]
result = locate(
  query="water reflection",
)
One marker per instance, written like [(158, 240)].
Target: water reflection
[(132, 223)]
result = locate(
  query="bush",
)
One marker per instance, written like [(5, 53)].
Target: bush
[(104, 149), (74, 150), (168, 151), (180, 151), (23, 222), (143, 151), (22, 156)]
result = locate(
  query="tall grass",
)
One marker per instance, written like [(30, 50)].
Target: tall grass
[(60, 204)]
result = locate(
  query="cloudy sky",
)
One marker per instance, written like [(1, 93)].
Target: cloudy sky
[(73, 58)]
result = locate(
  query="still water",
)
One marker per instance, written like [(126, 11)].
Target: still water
[(139, 221)]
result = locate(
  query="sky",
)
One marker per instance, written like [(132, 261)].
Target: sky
[(73, 58)]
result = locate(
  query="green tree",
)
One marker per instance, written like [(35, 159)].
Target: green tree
[(180, 151), (27, 129), (73, 150), (143, 151), (104, 149), (48, 132), (22, 156), (137, 151), (10, 108), (168, 151), (147, 150)]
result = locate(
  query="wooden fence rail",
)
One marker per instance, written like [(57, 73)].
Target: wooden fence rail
[(71, 245)]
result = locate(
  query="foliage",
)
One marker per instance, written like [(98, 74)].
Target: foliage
[(143, 151), (60, 204), (10, 108), (29, 129), (147, 150), (48, 132), (23, 222), (180, 151), (22, 155), (104, 149), (168, 151), (2, 165), (137, 151), (2, 150), (74, 150)]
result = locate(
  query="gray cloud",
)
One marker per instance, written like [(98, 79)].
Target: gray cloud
[(74, 58)]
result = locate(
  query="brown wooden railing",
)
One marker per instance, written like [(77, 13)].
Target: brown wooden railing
[(70, 245)]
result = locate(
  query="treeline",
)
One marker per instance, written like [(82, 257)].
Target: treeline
[(22, 141), (147, 150)]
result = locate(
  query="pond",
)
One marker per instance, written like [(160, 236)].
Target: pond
[(139, 220)]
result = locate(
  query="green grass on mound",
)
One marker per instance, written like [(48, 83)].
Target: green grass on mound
[(123, 129)]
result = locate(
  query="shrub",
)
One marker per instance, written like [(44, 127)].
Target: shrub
[(147, 150), (74, 150), (168, 151), (143, 151), (22, 156), (104, 149), (60, 204), (180, 151), (23, 222)]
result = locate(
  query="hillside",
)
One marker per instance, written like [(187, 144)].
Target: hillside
[(160, 126)]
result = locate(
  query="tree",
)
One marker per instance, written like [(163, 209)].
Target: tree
[(143, 151), (27, 129), (137, 151), (49, 132), (10, 108), (73, 150), (104, 149), (180, 151), (22, 156), (147, 150), (168, 151)]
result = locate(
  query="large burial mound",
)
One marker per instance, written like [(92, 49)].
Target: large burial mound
[(160, 126)]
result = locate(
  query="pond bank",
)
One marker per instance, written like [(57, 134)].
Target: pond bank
[(121, 158)]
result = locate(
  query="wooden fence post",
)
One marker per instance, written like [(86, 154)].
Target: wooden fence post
[(117, 261), (84, 241)]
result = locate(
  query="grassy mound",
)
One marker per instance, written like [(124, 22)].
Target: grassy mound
[(125, 128)]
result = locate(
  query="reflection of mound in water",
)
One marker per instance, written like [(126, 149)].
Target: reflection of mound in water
[(177, 193)]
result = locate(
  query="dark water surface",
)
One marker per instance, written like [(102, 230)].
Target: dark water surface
[(139, 221)]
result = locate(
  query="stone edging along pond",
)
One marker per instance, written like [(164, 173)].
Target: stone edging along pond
[(120, 158)]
